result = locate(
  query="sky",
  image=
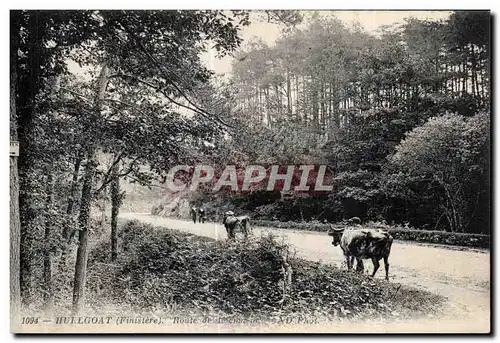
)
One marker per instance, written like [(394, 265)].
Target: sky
[(371, 21)]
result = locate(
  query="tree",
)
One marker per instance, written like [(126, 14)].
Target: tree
[(141, 51), (15, 221), (46, 38), (450, 154), (359, 94), (84, 215)]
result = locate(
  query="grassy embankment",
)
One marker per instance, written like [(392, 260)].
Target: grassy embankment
[(165, 272)]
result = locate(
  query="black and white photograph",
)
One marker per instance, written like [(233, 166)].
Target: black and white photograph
[(250, 171)]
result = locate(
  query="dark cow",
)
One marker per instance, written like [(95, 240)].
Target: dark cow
[(193, 214), (233, 223), (362, 244)]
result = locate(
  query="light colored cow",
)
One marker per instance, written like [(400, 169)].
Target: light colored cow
[(233, 223)]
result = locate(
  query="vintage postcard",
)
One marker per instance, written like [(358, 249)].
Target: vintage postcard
[(250, 171)]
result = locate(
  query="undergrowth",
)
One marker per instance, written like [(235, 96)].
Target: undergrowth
[(163, 271)]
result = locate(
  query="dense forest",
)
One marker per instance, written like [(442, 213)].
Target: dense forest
[(402, 118)]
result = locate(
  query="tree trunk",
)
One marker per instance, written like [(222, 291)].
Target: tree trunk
[(483, 72), (83, 225), (47, 260), (84, 216), (278, 100), (102, 221), (72, 196), (322, 107), (336, 108), (304, 100), (464, 80), (297, 96), (268, 107), (315, 107), (452, 69), (115, 208), (15, 221), (474, 71), (257, 104), (288, 94), (28, 86)]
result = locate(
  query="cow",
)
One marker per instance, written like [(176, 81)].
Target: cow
[(193, 214), (245, 223), (362, 244), (232, 223), (354, 221), (201, 215)]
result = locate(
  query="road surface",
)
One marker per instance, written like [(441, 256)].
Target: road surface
[(462, 276)]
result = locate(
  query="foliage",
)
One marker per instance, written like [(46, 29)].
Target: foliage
[(239, 280), (328, 93), (125, 109), (450, 154)]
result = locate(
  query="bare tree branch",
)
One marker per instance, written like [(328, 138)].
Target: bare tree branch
[(108, 99), (158, 89), (126, 104), (130, 169), (107, 178), (147, 184)]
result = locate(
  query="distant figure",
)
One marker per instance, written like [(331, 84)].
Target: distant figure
[(193, 214), (201, 215)]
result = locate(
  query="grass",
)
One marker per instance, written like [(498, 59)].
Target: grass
[(170, 273)]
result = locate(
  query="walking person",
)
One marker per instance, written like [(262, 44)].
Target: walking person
[(201, 215), (193, 213)]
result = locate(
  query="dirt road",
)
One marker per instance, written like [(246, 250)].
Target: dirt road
[(461, 276)]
